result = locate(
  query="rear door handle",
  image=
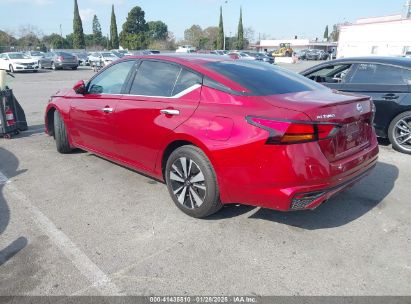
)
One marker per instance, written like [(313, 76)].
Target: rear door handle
[(107, 110), (170, 112), (390, 96)]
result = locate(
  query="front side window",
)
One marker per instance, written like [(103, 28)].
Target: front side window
[(111, 80), (331, 74), (155, 78), (372, 73)]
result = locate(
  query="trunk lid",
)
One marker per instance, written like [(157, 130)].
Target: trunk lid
[(352, 113)]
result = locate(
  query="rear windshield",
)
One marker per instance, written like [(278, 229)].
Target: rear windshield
[(64, 54), (263, 79)]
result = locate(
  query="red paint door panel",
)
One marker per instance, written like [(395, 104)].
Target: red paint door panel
[(92, 118), (141, 126)]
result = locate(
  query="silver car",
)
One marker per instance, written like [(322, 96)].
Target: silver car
[(59, 60)]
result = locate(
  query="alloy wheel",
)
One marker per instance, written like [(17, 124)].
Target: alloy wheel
[(402, 133), (188, 183)]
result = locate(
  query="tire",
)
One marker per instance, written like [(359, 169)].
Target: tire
[(74, 68), (199, 198), (11, 69), (399, 131), (60, 134)]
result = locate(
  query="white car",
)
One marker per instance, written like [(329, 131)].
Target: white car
[(101, 58), (186, 49), (18, 62)]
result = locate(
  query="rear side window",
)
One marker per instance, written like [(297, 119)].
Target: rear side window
[(371, 73), (186, 80), (155, 78), (263, 79)]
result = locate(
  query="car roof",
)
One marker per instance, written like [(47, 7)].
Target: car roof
[(196, 62), (400, 61), (395, 61)]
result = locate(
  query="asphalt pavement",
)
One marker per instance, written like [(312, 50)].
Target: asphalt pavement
[(79, 225)]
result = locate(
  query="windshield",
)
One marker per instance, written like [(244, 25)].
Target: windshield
[(18, 56), (262, 79), (36, 54)]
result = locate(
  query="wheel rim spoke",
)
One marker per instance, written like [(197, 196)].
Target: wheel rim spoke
[(197, 199), (199, 187), (198, 178), (183, 162), (405, 140), (176, 178), (182, 196), (177, 170), (178, 190)]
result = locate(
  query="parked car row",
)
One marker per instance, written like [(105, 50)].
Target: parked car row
[(313, 54)]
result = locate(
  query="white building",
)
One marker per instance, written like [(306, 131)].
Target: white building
[(382, 36)]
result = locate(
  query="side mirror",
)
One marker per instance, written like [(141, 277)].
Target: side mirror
[(80, 87)]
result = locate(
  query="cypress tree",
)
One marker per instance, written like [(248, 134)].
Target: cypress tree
[(97, 34), (240, 34), (78, 34), (114, 43), (326, 33), (220, 37)]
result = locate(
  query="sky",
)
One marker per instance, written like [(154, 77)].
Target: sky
[(268, 18)]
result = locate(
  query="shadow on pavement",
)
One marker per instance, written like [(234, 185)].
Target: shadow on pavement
[(343, 208), (8, 165), (32, 130)]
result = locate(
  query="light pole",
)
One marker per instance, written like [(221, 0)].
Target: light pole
[(225, 2)]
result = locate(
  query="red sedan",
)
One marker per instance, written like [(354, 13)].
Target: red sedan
[(220, 131)]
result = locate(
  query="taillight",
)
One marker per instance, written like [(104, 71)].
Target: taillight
[(293, 132)]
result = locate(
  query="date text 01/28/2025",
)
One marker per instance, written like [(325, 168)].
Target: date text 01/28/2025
[(203, 299)]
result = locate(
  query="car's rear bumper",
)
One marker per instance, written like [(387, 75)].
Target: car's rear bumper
[(66, 64), (295, 177)]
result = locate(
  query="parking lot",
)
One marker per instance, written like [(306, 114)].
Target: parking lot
[(80, 225)]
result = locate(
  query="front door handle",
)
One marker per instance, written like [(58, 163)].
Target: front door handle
[(107, 110), (390, 96), (170, 112)]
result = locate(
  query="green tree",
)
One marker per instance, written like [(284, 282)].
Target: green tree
[(335, 34), (240, 33), (7, 41), (211, 33), (78, 34), (55, 41), (97, 34), (326, 33), (114, 43), (135, 30), (29, 42), (220, 37), (194, 36), (158, 30)]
